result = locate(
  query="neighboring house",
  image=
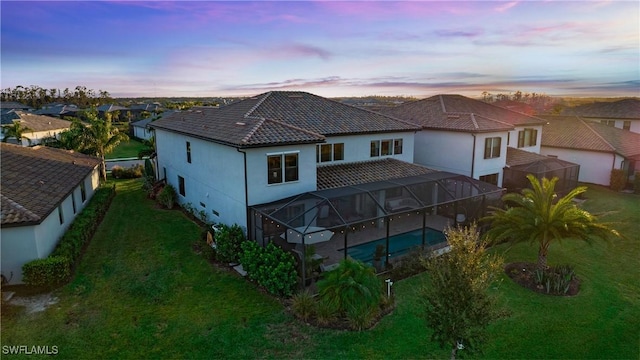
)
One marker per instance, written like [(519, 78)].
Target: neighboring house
[(13, 105), (40, 127), (42, 191), (139, 111), (59, 110), (622, 114), (468, 136), (120, 113), (597, 147), (141, 129)]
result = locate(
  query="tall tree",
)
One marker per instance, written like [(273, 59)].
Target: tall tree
[(458, 304), (537, 215), (16, 130), (101, 137)]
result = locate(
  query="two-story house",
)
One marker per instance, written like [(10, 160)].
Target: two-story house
[(468, 136), (291, 166), (622, 114)]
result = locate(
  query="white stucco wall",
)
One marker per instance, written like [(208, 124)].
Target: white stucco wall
[(22, 244), (142, 133), (358, 147), (444, 150), (595, 167), (490, 166), (513, 138)]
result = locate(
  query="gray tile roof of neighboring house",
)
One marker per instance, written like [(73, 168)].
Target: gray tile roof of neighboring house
[(8, 116), (277, 118), (622, 109), (145, 107), (460, 113), (575, 133), (13, 105), (517, 157), (348, 174), (142, 123), (58, 109), (36, 179), (41, 122), (111, 107)]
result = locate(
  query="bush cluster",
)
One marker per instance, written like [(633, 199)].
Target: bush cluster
[(617, 181), (133, 172), (57, 268), (271, 267), (556, 280), (636, 183), (351, 292), (228, 242), (167, 196)]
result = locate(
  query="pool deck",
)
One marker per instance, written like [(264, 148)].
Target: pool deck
[(332, 251)]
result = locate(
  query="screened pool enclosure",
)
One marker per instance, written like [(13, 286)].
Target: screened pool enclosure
[(334, 221)]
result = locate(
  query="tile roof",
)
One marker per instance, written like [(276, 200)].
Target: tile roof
[(575, 133), (36, 179), (460, 113), (622, 109), (111, 107), (58, 109), (516, 157), (13, 105), (277, 118), (335, 176), (40, 122)]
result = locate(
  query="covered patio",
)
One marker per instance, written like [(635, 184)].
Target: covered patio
[(398, 213)]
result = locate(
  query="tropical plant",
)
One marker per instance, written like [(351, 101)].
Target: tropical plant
[(16, 130), (352, 290), (458, 306), (537, 215), (150, 148)]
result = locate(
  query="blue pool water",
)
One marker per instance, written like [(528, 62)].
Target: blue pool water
[(398, 244)]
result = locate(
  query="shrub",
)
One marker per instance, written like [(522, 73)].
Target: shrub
[(555, 280), (617, 181), (303, 305), (51, 270), (352, 290), (132, 172), (271, 267), (636, 183), (167, 196), (410, 264), (228, 240)]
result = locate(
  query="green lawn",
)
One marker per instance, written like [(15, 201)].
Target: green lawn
[(126, 149), (141, 292)]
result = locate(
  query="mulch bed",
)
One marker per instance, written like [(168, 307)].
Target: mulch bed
[(523, 273)]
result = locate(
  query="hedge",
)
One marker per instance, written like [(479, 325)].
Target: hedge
[(57, 268)]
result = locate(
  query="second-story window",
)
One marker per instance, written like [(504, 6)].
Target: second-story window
[(386, 147), (189, 152), (492, 147), (397, 146), (282, 168), (329, 152), (527, 137)]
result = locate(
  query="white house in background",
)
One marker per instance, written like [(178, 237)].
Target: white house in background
[(42, 191), (598, 148), (468, 136), (623, 114), (269, 147), (40, 127), (141, 129)]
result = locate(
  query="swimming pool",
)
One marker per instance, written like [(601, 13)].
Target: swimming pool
[(398, 244)]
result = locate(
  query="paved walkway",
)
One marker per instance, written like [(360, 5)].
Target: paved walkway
[(125, 163)]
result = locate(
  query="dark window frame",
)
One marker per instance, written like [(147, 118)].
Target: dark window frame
[(181, 186), (492, 147), (189, 152)]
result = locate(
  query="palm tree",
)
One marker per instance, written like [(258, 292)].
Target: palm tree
[(537, 215), (100, 138), (16, 130)]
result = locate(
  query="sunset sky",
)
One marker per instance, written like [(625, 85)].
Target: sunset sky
[(329, 48)]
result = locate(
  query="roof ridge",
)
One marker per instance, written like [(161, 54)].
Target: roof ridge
[(255, 128), (473, 120), (295, 127), (444, 108), (265, 96), (597, 134)]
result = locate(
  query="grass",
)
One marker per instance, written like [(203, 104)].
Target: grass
[(126, 149), (142, 292)]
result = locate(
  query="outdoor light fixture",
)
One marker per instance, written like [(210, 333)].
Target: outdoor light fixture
[(389, 283)]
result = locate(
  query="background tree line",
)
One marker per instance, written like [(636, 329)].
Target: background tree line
[(36, 97)]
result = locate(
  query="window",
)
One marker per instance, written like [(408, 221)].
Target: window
[(83, 192), (60, 214), (491, 179), (181, 189), (492, 147), (73, 201), (375, 148), (329, 152), (189, 152), (397, 146), (626, 125), (338, 152), (527, 137), (276, 172), (386, 147)]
